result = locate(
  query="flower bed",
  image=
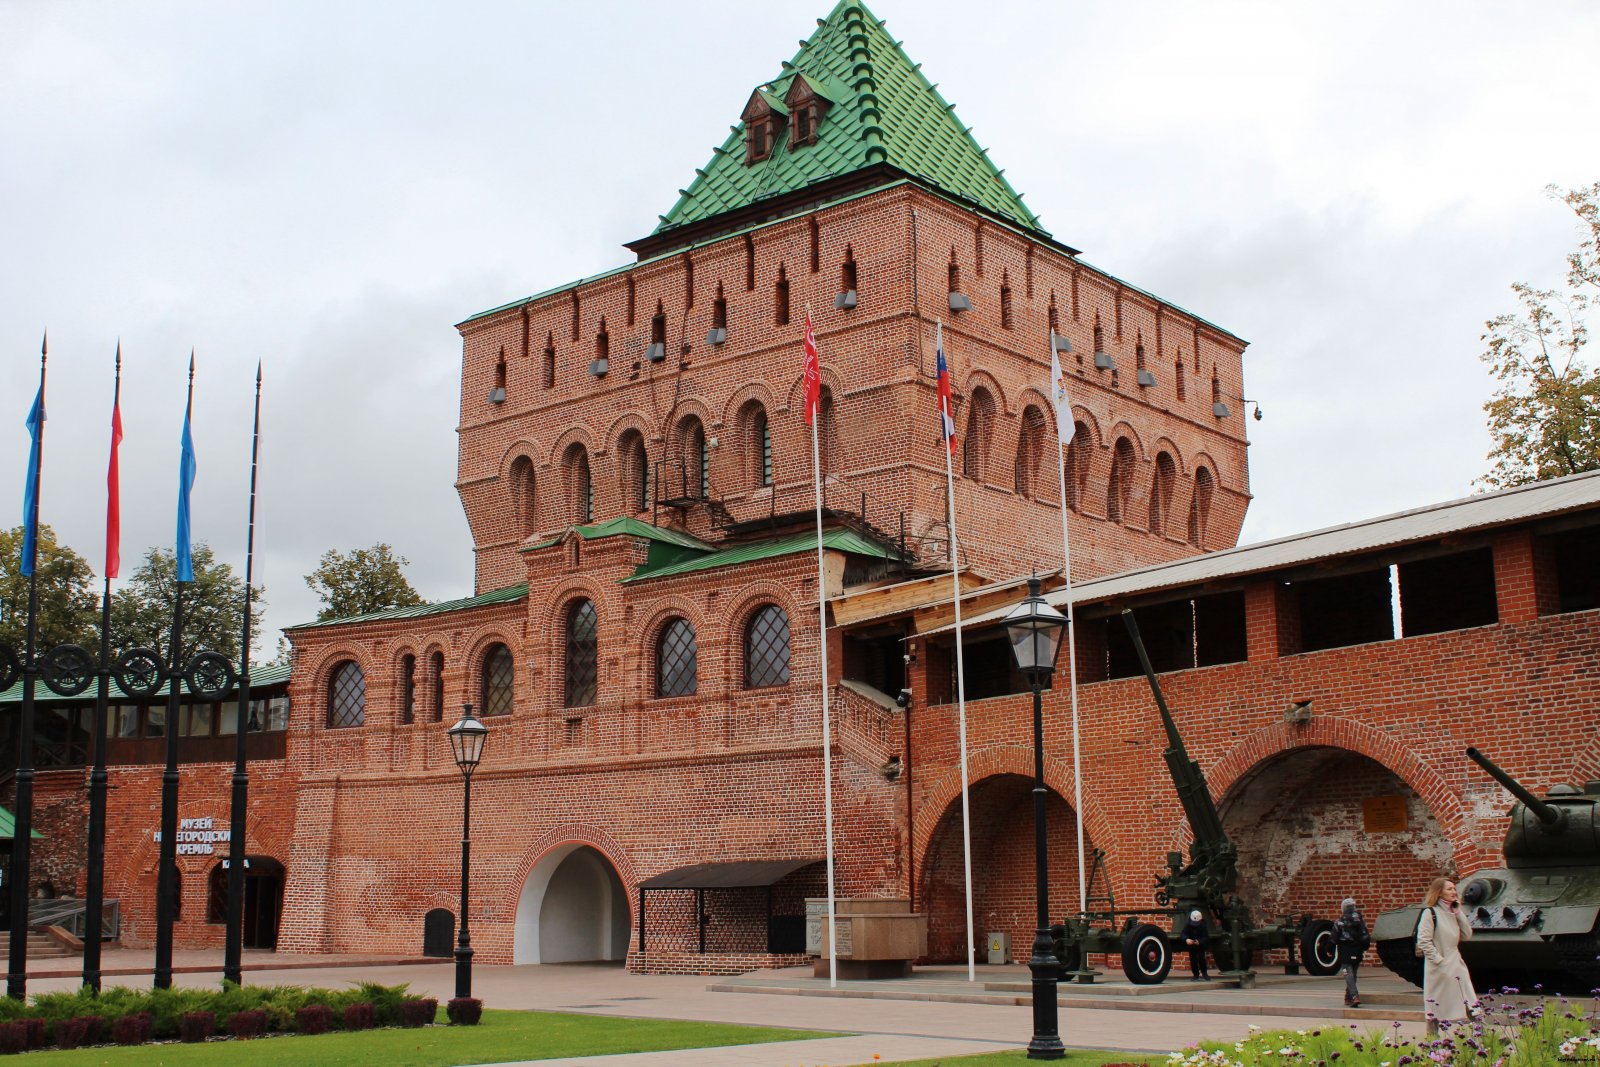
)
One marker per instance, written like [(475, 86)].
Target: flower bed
[(1507, 1031), (130, 1017)]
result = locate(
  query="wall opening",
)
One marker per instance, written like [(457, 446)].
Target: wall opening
[(573, 908)]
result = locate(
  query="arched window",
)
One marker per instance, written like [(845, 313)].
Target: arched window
[(677, 669), (696, 460), (827, 431), (1200, 507), (499, 677), (408, 690), (522, 495), (980, 425), (580, 487), (1120, 486), (436, 686), (635, 470), (347, 695), (756, 437), (1078, 466), (1161, 493), (583, 654), (766, 648), (1030, 450)]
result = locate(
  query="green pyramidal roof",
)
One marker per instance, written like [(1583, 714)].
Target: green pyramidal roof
[(883, 112)]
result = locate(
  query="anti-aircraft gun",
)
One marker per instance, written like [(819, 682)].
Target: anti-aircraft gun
[(1146, 938), (1535, 920)]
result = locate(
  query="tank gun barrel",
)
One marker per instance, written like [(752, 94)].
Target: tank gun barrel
[(1549, 816)]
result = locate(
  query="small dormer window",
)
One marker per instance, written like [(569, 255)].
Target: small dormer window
[(806, 107), (763, 123), (804, 130)]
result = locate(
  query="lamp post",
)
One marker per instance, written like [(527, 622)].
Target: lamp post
[(1035, 629), (466, 744)]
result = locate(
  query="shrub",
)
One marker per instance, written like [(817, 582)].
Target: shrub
[(197, 1026), (133, 1029), (314, 1019), (359, 1017), (385, 1000), (94, 1029), (418, 1012), (71, 1033), (34, 1028), (245, 1025), (13, 1038), (464, 1011)]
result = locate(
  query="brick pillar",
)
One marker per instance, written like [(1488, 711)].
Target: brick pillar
[(304, 926), (1524, 577), (1272, 628)]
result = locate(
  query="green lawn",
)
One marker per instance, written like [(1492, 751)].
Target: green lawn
[(1074, 1058), (503, 1035)]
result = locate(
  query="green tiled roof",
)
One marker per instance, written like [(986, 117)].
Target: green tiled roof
[(497, 596), (632, 527), (8, 827), (884, 112), (841, 540), (260, 678)]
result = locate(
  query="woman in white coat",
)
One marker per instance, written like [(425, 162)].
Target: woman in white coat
[(1447, 991)]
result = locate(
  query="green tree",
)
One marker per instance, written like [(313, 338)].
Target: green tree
[(1545, 412), (360, 581), (69, 608), (213, 606)]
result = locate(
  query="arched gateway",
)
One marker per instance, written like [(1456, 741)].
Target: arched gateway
[(573, 908)]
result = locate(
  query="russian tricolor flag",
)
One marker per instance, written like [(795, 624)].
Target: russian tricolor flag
[(945, 406)]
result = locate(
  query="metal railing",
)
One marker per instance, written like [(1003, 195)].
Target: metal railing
[(71, 914)]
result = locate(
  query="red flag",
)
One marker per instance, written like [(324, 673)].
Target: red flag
[(113, 482), (813, 374)]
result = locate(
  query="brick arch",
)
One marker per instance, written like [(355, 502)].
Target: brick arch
[(743, 395), (522, 446), (482, 639), (1090, 423), (569, 834), (1032, 395), (696, 406), (752, 598), (1393, 754), (1122, 428), (1165, 444), (629, 420), (576, 435), (1203, 459), (794, 397), (331, 658), (674, 606), (982, 379), (944, 792)]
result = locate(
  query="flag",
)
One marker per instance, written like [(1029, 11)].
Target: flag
[(948, 421), (186, 472), (1065, 427), (114, 483), (30, 489), (813, 373)]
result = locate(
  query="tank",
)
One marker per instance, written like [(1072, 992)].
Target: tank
[(1534, 919)]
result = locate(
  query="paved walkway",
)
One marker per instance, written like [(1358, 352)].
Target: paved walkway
[(894, 1021)]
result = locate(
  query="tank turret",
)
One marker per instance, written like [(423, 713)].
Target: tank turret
[(1537, 918)]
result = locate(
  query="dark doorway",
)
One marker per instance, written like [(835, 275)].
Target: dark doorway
[(263, 900), (438, 932)]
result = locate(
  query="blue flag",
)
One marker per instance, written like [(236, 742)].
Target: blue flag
[(186, 472), (30, 489)]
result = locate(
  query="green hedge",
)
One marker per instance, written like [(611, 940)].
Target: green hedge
[(169, 1006)]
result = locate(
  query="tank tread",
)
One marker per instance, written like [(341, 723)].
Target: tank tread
[(1399, 954), (1579, 955)]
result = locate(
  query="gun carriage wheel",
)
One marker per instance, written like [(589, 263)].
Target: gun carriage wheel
[(1146, 955), (1319, 948)]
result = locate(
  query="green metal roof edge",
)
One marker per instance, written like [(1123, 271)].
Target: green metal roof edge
[(260, 678), (837, 539), (8, 827), (627, 525), (418, 611)]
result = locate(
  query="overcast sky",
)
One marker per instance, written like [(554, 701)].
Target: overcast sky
[(328, 188)]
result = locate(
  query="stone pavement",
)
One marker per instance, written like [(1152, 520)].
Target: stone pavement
[(931, 1015)]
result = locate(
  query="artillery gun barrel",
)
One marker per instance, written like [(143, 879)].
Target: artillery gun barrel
[(1547, 815)]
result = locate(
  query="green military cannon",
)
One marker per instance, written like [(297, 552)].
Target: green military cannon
[(1535, 920), (1146, 938)]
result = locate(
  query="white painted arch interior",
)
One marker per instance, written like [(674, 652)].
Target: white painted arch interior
[(573, 908)]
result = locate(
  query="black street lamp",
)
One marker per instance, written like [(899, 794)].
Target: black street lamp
[(466, 744), (1035, 629)]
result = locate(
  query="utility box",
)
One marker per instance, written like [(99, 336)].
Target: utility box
[(999, 946)]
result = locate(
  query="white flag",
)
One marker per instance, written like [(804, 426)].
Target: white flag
[(1058, 393)]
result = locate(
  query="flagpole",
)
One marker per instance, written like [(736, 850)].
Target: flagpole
[(948, 421), (94, 880), (822, 638), (22, 830), (1058, 392), (167, 877), (233, 950)]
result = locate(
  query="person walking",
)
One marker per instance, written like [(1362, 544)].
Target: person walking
[(1196, 939), (1447, 991), (1350, 931)]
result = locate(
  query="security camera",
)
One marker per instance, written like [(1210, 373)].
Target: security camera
[(904, 698)]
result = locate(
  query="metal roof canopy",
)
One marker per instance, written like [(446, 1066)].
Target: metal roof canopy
[(738, 874)]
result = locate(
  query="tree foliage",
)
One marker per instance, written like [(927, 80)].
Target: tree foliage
[(213, 606), (69, 609), (1545, 412), (360, 581)]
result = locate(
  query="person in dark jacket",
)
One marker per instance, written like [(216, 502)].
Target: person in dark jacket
[(1196, 939), (1351, 931)]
